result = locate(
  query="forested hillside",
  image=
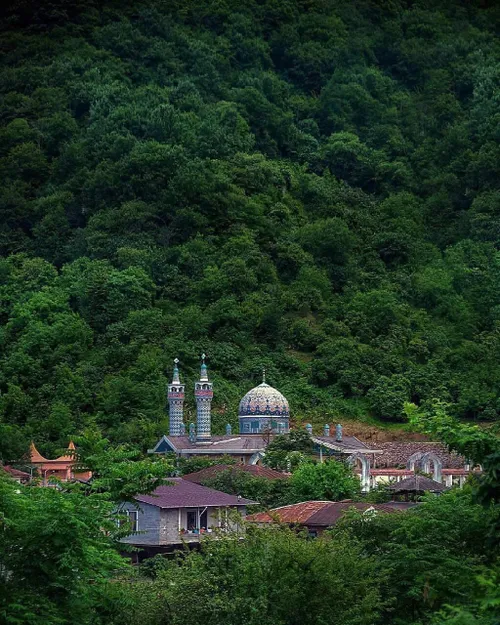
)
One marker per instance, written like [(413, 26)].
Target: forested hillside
[(309, 186)]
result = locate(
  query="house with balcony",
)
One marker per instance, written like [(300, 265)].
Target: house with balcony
[(181, 512)]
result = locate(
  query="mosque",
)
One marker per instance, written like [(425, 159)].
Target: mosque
[(263, 411)]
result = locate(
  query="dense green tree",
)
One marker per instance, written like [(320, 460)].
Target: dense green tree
[(331, 480), (286, 451), (275, 575)]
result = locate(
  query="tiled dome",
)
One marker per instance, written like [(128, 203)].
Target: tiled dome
[(264, 400)]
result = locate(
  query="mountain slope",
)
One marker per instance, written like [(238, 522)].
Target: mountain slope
[(310, 187)]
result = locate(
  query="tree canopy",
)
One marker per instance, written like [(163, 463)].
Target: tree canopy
[(306, 187)]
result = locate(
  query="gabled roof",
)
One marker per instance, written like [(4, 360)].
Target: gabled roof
[(418, 484), (318, 513), (235, 443), (179, 493), (348, 444), (253, 469), (396, 453)]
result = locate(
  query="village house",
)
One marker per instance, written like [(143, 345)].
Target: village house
[(180, 512), (318, 516), (21, 477), (60, 469)]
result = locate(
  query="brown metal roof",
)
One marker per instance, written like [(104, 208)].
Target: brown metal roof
[(15, 472), (317, 513), (180, 493), (253, 469)]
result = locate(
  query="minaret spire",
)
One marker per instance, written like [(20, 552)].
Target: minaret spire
[(175, 378), (176, 402), (203, 370), (203, 392), (263, 376)]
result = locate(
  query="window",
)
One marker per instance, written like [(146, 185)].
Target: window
[(192, 520), (196, 520), (131, 517)]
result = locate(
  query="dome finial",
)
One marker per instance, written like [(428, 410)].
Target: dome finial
[(263, 376)]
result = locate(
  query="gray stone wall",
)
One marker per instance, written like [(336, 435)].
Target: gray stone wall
[(149, 525)]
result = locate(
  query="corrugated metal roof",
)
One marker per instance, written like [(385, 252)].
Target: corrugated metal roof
[(318, 513), (181, 493), (253, 469)]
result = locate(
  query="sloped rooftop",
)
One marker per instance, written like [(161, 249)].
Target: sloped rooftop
[(418, 484), (319, 513), (180, 493), (396, 454), (253, 469)]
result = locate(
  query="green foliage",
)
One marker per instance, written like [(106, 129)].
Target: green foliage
[(437, 555), (275, 575), (119, 473), (57, 555), (481, 447), (265, 492), (324, 481), (327, 481), (310, 189), (286, 451)]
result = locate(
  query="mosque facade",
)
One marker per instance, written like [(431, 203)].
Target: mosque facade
[(262, 412)]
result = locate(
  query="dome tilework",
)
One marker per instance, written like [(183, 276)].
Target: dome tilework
[(264, 400)]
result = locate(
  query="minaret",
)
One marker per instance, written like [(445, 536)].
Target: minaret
[(176, 403), (203, 394)]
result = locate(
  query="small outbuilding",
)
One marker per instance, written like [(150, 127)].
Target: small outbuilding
[(416, 485)]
